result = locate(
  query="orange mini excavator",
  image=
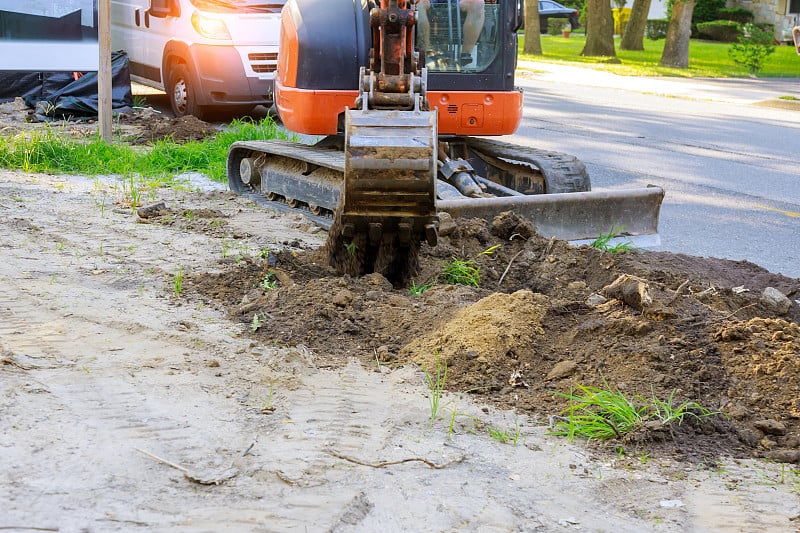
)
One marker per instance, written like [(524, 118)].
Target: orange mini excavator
[(401, 131)]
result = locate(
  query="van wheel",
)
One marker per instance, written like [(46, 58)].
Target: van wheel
[(181, 91)]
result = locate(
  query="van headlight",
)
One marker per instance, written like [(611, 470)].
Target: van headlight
[(209, 27)]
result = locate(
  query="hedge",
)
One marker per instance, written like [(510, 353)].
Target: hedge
[(726, 31)]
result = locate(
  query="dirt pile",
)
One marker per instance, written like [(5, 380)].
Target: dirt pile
[(547, 316)]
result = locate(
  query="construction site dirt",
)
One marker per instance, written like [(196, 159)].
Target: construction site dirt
[(197, 366)]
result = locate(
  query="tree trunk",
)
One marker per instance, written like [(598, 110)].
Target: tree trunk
[(599, 29), (532, 44), (633, 38), (676, 46)]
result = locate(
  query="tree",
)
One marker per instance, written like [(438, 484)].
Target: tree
[(676, 46), (633, 37), (532, 44), (599, 29)]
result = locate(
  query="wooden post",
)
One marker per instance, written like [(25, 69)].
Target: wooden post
[(104, 83)]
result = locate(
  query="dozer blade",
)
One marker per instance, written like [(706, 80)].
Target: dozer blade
[(388, 204), (575, 216)]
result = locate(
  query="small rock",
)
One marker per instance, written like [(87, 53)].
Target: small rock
[(446, 224), (343, 298), (213, 363), (154, 210), (767, 443), (595, 299), (749, 436), (671, 504), (771, 427), (562, 370), (377, 280), (576, 285), (372, 295), (776, 301), (632, 290), (784, 456)]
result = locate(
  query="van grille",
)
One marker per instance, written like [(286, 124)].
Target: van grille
[(263, 62)]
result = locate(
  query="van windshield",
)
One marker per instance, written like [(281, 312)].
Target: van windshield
[(240, 6)]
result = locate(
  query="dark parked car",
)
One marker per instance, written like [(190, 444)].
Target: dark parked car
[(549, 9)]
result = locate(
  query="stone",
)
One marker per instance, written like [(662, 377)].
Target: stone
[(343, 298), (562, 370), (595, 299), (775, 301), (632, 290), (784, 456), (771, 427)]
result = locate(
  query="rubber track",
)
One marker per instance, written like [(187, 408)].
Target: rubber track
[(562, 172)]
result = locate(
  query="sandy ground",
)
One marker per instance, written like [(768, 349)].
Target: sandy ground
[(101, 362)]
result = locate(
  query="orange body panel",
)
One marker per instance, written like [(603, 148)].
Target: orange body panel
[(460, 113)]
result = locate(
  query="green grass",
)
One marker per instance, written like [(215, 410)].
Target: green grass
[(462, 272), (49, 150), (598, 413), (436, 381), (706, 59), (603, 241)]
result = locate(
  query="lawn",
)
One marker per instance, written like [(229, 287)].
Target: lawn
[(706, 59)]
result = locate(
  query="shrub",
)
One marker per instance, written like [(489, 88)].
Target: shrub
[(656, 28), (706, 10), (726, 31), (736, 14), (754, 47), (554, 25)]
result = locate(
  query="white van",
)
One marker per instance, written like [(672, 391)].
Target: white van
[(207, 55)]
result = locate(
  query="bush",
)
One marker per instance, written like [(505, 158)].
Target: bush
[(754, 47), (554, 25), (726, 31), (706, 10), (656, 28), (736, 14)]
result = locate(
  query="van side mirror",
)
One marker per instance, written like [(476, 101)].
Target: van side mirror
[(164, 8)]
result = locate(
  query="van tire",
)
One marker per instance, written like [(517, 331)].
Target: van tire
[(181, 92)]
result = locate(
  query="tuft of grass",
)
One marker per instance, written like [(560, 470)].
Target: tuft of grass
[(269, 282), (436, 382), (257, 322), (603, 242), (416, 290), (603, 414), (177, 282), (462, 272)]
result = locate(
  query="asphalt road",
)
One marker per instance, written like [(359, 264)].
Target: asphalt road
[(730, 166)]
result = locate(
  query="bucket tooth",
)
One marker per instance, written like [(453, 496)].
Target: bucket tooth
[(375, 232)]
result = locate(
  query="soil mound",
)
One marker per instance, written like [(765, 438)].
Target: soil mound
[(546, 317)]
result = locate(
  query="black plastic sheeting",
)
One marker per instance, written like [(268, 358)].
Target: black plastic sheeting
[(58, 95)]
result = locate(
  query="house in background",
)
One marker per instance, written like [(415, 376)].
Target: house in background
[(784, 14)]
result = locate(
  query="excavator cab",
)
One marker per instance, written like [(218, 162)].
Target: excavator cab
[(450, 26)]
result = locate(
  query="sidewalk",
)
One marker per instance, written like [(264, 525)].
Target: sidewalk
[(731, 90)]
